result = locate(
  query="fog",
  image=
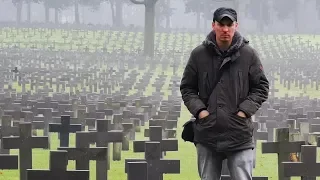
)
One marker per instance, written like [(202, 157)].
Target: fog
[(256, 16)]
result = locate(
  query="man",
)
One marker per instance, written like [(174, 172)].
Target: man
[(223, 85)]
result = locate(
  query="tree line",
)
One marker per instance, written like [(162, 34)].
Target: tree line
[(164, 11), (256, 9)]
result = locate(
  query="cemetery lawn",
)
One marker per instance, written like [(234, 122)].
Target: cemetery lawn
[(266, 163), (186, 154), (83, 40)]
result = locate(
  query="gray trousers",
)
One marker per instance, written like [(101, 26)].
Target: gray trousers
[(240, 163)]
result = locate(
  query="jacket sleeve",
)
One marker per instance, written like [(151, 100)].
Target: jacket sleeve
[(189, 88), (259, 87)]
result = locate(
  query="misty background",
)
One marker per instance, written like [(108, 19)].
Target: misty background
[(255, 16)]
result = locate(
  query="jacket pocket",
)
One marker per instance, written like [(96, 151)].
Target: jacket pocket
[(203, 120), (203, 128), (239, 126), (205, 123)]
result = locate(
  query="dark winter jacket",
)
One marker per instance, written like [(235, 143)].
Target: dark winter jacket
[(243, 86)]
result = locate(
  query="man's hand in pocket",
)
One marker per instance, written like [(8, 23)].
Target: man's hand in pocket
[(241, 114), (203, 114)]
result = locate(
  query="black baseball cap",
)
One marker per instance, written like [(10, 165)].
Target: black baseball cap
[(222, 12)]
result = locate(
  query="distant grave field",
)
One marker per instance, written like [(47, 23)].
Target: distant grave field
[(91, 41)]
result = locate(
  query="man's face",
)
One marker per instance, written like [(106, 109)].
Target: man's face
[(225, 29)]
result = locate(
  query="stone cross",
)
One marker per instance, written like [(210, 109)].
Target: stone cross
[(283, 148), (25, 143), (156, 166), (7, 130), (155, 134), (57, 169), (64, 128), (82, 153), (308, 168), (102, 137)]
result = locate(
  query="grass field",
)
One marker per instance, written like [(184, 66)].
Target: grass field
[(129, 41), (266, 163)]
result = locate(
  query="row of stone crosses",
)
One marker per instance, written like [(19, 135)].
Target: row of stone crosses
[(289, 125), (122, 128)]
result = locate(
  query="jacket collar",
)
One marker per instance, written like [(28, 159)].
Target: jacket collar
[(238, 42)]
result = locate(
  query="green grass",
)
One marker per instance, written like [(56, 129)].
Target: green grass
[(79, 40)]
